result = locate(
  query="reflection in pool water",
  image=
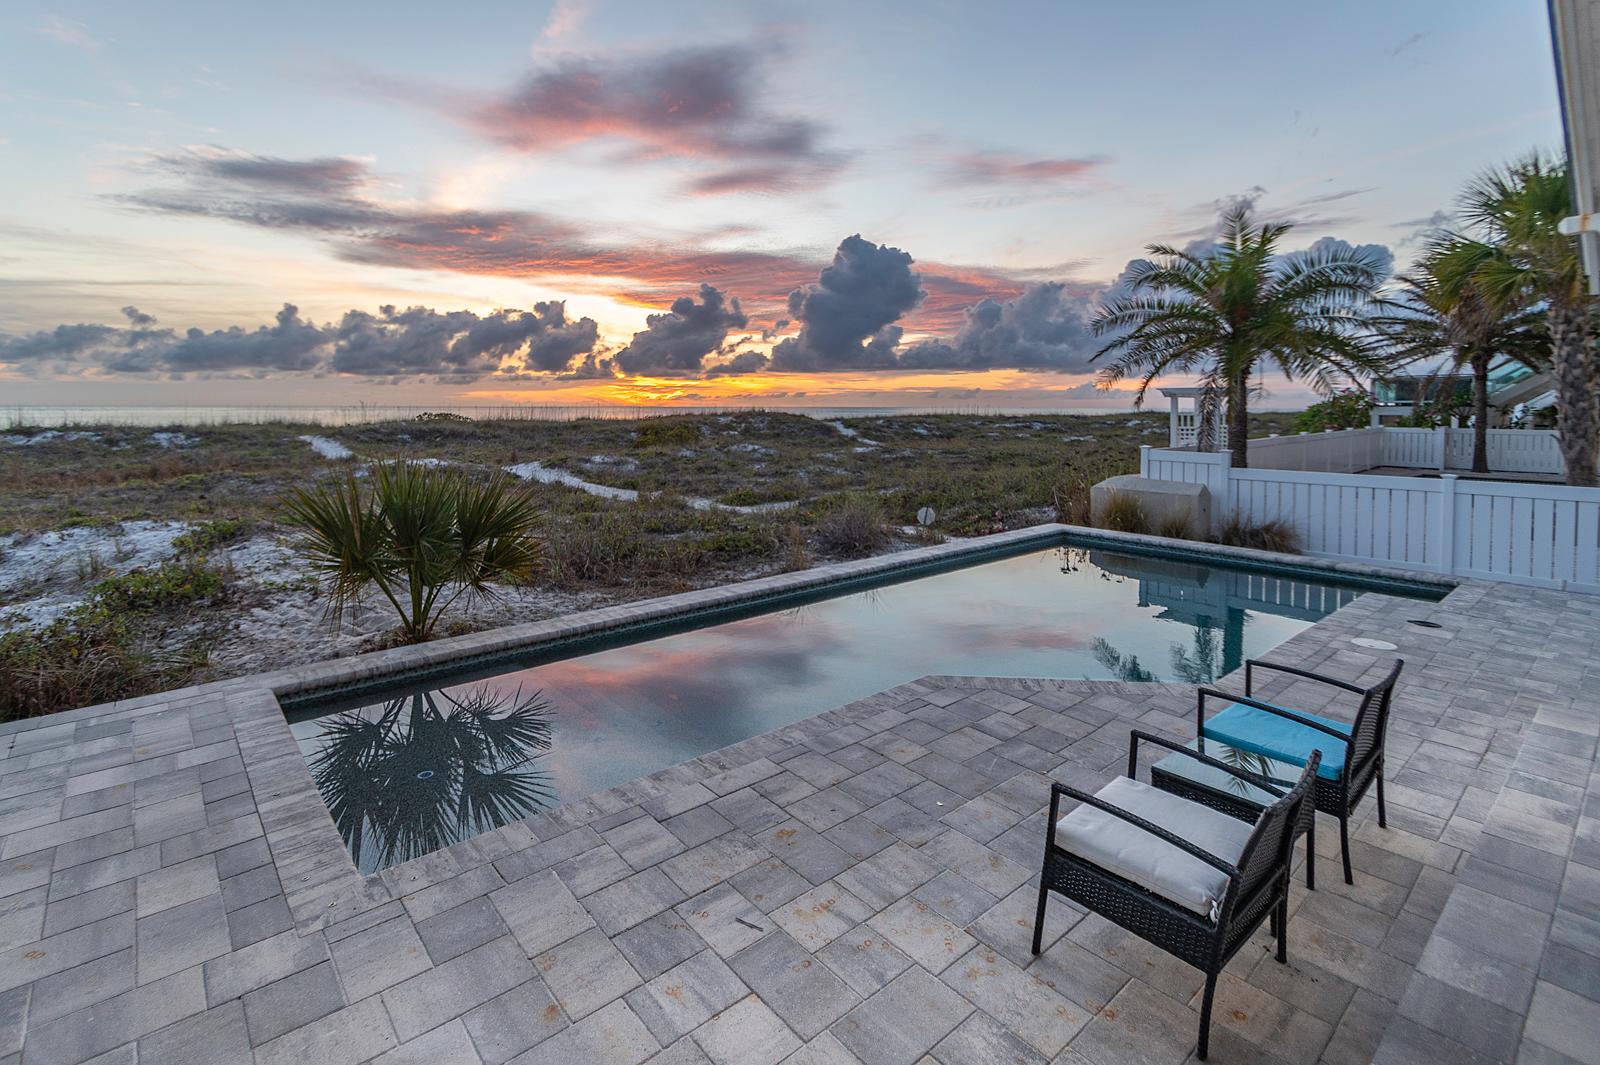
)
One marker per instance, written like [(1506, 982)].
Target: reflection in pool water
[(613, 714), (426, 770)]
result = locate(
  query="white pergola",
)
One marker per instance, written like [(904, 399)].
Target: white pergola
[(1575, 28)]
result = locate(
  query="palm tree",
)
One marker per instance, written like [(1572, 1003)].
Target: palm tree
[(1441, 311), (1517, 210), (1226, 312), (421, 535), (417, 778)]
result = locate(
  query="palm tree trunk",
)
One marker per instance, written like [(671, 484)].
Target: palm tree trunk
[(1576, 404), (1239, 421), (1480, 413)]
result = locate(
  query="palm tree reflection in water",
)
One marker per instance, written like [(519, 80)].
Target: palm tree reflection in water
[(418, 777)]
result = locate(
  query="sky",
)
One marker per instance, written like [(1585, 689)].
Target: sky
[(852, 203)]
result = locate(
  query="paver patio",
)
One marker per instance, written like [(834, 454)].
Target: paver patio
[(857, 887)]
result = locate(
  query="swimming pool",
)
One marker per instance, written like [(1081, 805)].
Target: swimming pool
[(418, 766)]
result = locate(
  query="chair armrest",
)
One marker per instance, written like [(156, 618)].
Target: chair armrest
[(1255, 663), (1058, 789), (1216, 763), (1342, 737)]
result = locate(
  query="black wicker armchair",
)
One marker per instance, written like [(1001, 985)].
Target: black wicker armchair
[(1156, 879), (1352, 754)]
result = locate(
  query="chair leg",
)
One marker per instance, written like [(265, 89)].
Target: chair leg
[(1205, 1016), (1344, 847), (1038, 917), (1311, 856), (1383, 813), (1283, 929)]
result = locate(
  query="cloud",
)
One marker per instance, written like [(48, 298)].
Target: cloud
[(675, 344), (846, 316), (137, 317), (988, 168), (458, 344), (1379, 255), (566, 18), (290, 343), (62, 342), (326, 175), (696, 103), (742, 363), (69, 32), (521, 244), (1045, 328), (416, 342)]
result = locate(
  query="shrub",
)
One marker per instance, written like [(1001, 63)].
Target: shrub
[(144, 591), (853, 526), (1071, 500), (1123, 513), (1175, 527), (422, 536), (208, 535), (796, 553), (441, 416), (103, 649), (1271, 535), (1350, 409), (666, 432)]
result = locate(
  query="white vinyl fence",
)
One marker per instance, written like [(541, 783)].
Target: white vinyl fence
[(1539, 534), (1536, 451)]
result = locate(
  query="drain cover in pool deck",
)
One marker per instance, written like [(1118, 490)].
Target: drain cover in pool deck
[(1376, 645)]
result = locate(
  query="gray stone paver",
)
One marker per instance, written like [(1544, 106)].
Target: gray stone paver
[(854, 888)]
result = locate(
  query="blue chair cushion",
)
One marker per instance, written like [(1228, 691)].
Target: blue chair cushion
[(1259, 732)]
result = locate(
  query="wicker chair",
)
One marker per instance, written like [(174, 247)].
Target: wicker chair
[(1352, 753), (1163, 886)]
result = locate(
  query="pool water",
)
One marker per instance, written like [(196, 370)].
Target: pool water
[(416, 768)]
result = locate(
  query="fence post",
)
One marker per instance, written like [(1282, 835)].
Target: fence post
[(1144, 460), (1447, 523)]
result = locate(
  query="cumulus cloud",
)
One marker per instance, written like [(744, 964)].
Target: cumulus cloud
[(290, 343), (1378, 255), (417, 341), (846, 317), (1045, 328), (675, 343), (138, 318), (456, 344), (742, 363)]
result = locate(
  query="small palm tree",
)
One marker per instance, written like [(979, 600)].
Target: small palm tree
[(1225, 313), (1517, 210), (417, 778), (1441, 311), (423, 536)]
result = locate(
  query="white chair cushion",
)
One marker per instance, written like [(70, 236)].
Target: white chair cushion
[(1153, 863)]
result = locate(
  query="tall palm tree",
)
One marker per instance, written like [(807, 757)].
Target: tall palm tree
[(420, 776), (1441, 311), (1517, 210), (1241, 306)]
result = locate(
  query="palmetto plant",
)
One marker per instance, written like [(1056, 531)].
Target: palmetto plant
[(1441, 310), (1224, 313), (1516, 210), (421, 535), (430, 770)]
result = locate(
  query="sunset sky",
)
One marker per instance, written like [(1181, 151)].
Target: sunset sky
[(619, 202)]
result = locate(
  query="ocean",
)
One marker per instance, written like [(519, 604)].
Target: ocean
[(358, 414)]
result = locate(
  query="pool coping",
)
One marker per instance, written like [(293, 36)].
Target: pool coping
[(322, 885), (305, 682)]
